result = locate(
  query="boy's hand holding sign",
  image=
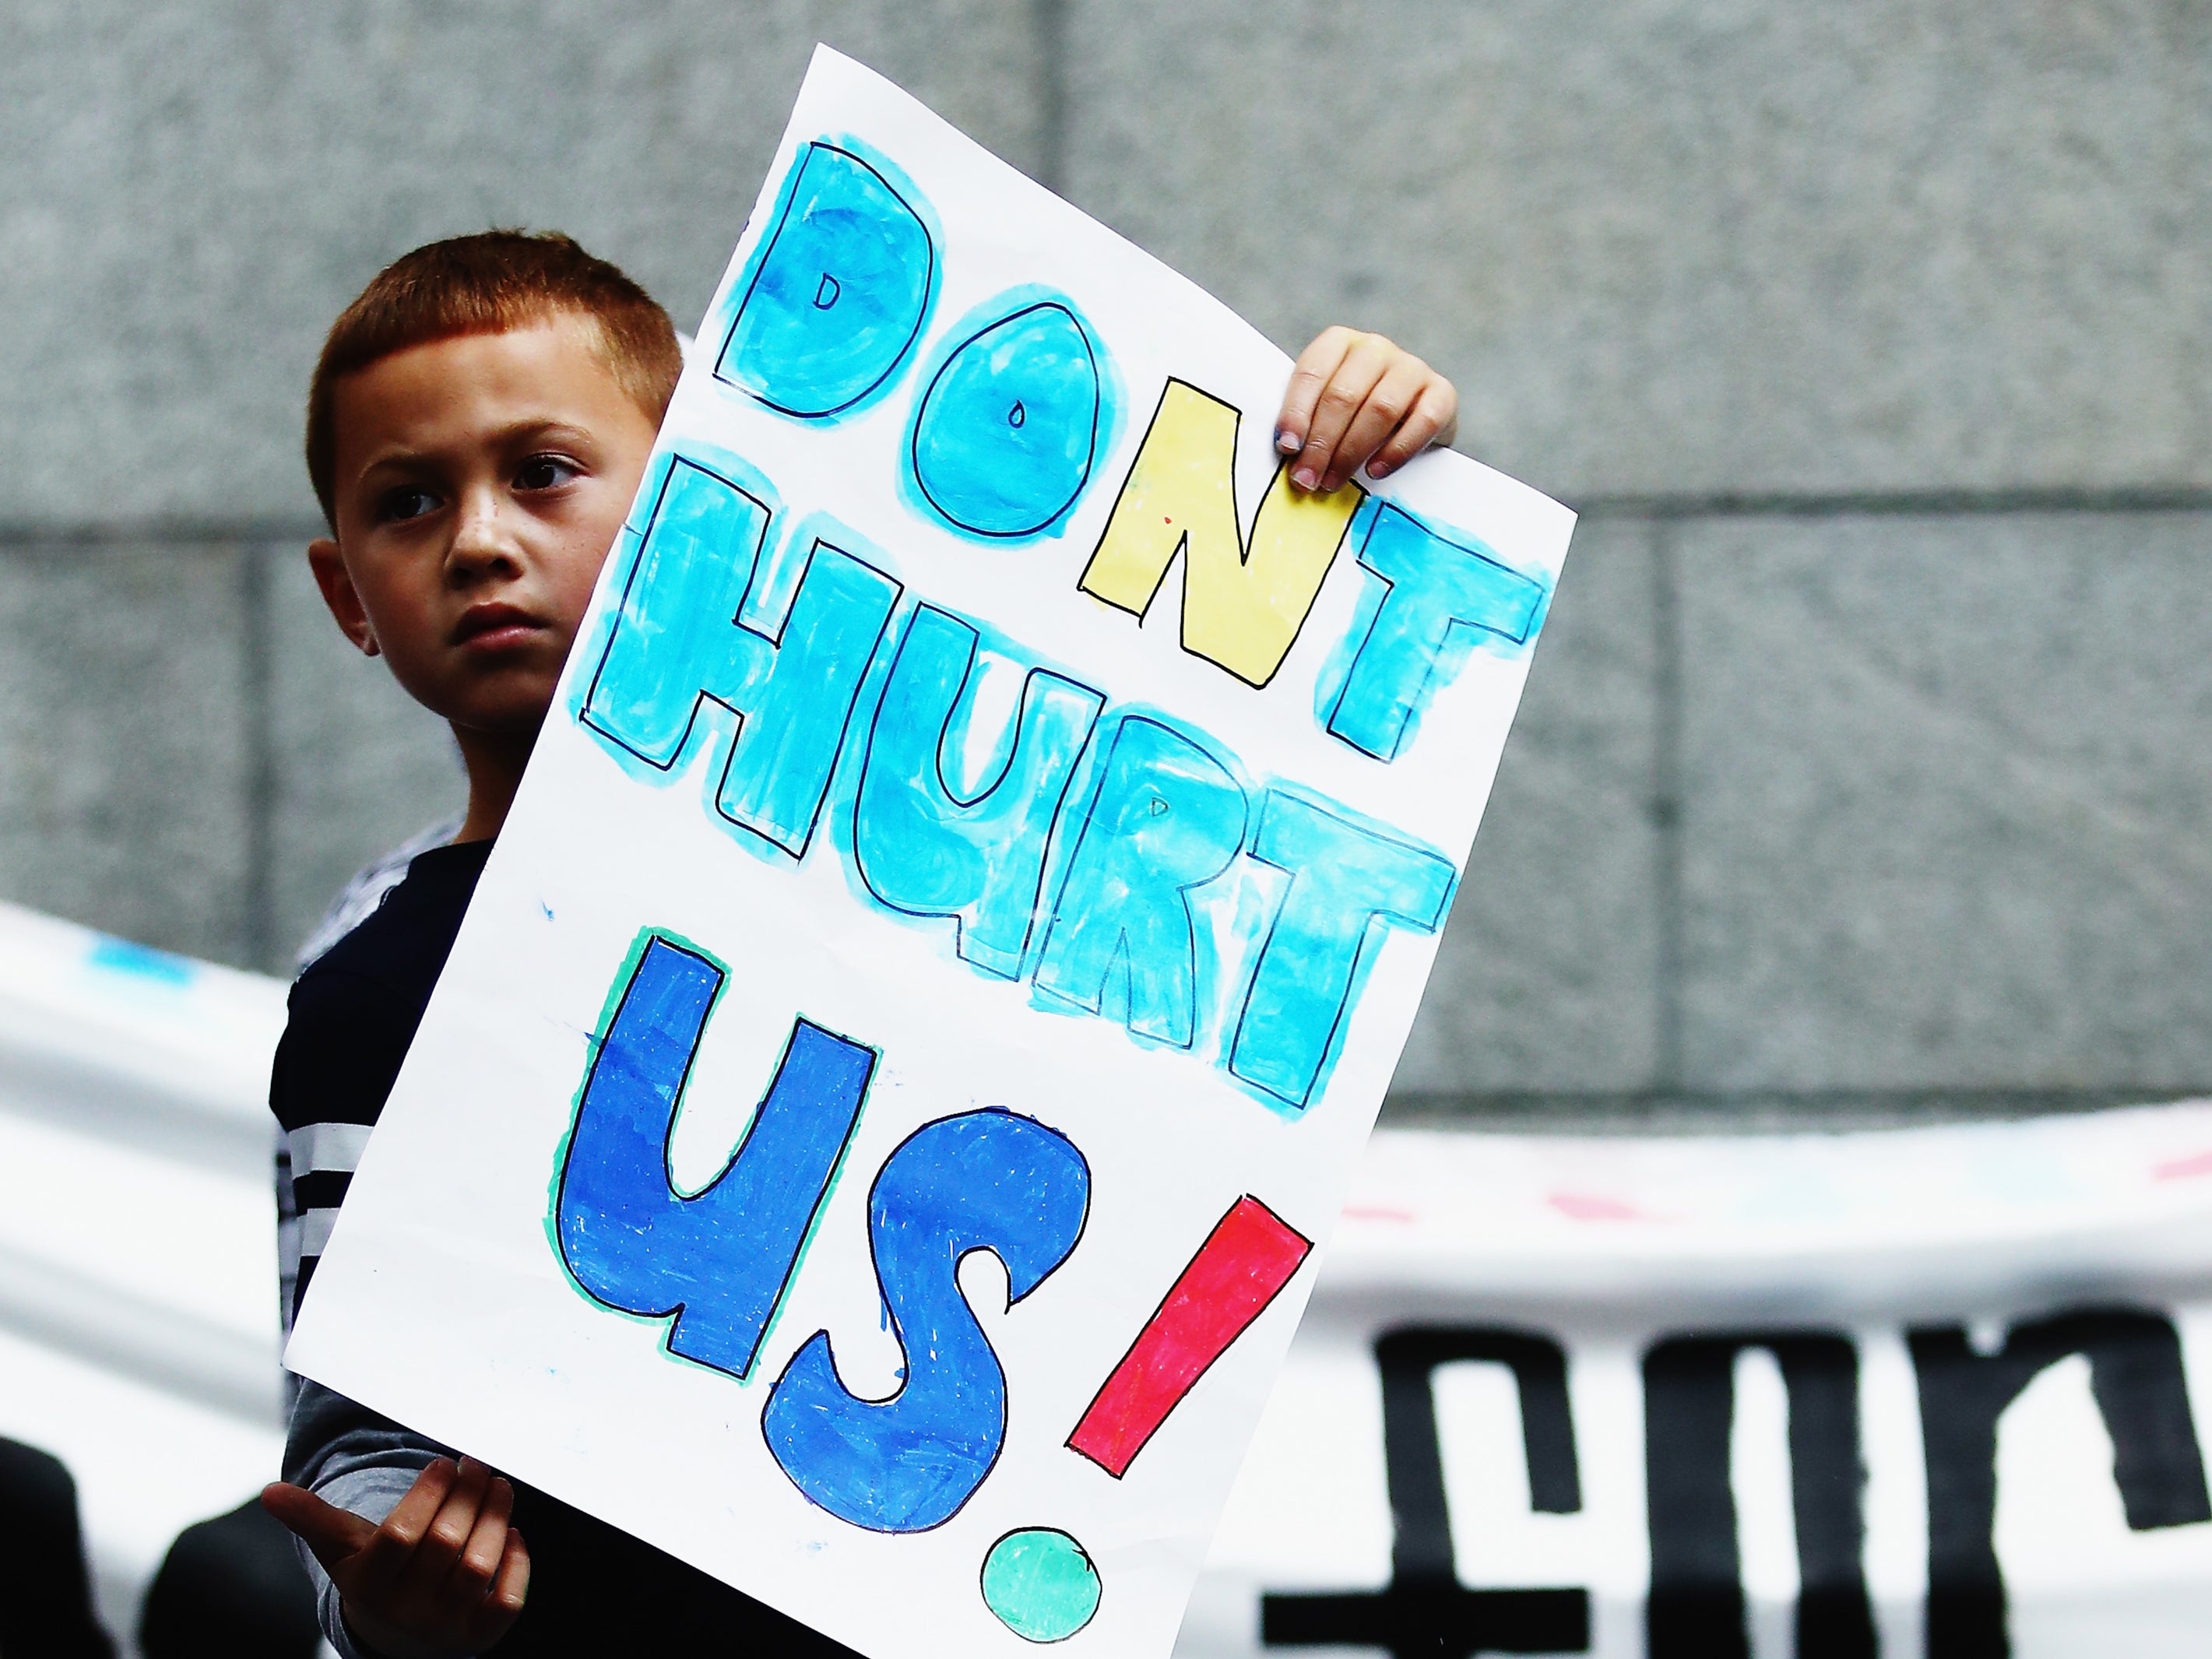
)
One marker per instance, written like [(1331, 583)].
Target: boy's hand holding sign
[(956, 926)]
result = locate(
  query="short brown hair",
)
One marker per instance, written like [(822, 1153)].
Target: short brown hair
[(488, 283)]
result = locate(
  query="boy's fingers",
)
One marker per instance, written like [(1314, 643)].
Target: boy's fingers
[(1308, 376), (508, 1592), (485, 1549), (449, 1531), (513, 1585), (1429, 421), (390, 1552), (334, 1534), (1363, 367), (1389, 404)]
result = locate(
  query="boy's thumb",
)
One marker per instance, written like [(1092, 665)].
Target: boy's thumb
[(333, 1533)]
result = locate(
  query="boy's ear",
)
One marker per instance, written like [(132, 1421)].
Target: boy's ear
[(346, 608)]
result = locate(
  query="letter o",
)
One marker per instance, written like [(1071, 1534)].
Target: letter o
[(1003, 439)]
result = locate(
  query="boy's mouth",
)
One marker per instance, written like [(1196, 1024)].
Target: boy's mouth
[(494, 627)]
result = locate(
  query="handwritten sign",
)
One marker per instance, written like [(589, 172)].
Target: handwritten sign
[(871, 1135)]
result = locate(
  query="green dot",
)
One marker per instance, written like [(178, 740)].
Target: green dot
[(1041, 1584)]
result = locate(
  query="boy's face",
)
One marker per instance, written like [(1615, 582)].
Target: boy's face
[(479, 483)]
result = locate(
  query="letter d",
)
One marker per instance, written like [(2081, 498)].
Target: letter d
[(837, 295)]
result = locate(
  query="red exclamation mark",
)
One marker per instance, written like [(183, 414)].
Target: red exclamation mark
[(1244, 1265)]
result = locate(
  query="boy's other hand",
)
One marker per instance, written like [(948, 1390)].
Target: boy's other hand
[(442, 1578), (1357, 400)]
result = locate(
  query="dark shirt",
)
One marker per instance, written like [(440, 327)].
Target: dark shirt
[(593, 1590)]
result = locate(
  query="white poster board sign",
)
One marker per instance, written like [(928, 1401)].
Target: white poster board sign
[(955, 932)]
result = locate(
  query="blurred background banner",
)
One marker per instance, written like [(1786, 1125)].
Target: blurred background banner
[(1865, 774), (1894, 1392), (138, 1256), (1938, 1390)]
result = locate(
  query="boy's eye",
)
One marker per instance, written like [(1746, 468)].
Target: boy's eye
[(408, 502), (543, 472)]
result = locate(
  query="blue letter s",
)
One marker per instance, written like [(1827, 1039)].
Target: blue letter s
[(981, 1180)]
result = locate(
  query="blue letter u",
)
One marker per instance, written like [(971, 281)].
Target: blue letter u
[(719, 1258)]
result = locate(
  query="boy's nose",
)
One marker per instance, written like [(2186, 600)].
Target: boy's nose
[(481, 541)]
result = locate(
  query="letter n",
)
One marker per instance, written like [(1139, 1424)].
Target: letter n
[(1242, 603)]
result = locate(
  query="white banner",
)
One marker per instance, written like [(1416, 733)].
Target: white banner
[(1526, 1358), (1933, 1392)]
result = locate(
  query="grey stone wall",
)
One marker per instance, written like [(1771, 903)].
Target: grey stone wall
[(1863, 772)]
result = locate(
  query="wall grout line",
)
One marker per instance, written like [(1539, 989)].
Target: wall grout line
[(1734, 1110), (92, 535), (258, 629), (1667, 809), (33, 537), (1918, 1094), (1050, 19), (1876, 503)]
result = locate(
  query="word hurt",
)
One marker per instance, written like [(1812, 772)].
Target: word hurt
[(1084, 860)]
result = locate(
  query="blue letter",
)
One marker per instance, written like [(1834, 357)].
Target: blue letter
[(837, 293), (1003, 438), (1434, 591), (682, 639), (924, 848), (1167, 818), (719, 1258), (1343, 876), (982, 1180)]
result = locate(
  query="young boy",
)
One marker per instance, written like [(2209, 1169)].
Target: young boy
[(477, 426)]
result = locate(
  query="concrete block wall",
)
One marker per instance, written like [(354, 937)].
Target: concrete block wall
[(1863, 770), (1842, 813)]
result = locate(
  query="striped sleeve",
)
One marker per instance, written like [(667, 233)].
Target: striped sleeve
[(323, 1157), (288, 1239), (340, 1052)]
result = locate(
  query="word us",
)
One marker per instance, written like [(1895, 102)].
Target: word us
[(717, 1263)]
